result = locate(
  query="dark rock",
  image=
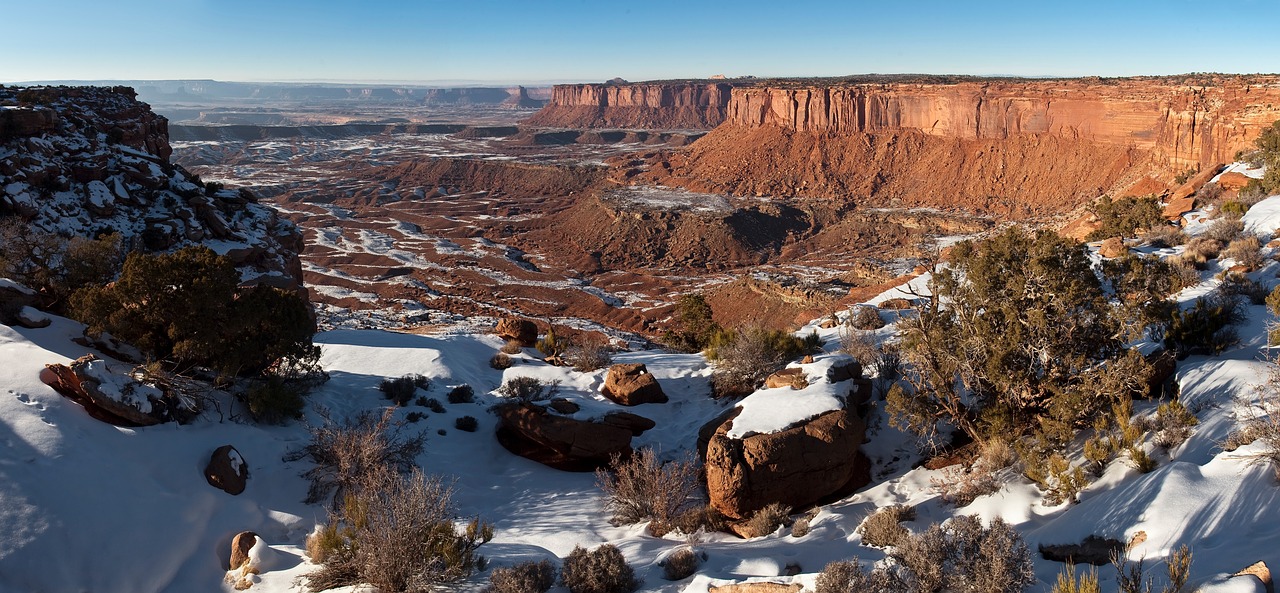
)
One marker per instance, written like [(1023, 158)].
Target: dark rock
[(227, 470)]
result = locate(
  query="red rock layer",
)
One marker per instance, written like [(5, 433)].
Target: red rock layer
[(647, 106)]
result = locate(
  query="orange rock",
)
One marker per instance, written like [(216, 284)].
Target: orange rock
[(1113, 247), (1233, 181), (1080, 228)]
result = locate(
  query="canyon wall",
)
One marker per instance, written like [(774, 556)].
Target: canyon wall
[(1185, 124), (695, 106)]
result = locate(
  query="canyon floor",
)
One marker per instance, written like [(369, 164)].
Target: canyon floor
[(467, 218)]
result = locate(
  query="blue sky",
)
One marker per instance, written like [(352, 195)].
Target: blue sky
[(561, 40)]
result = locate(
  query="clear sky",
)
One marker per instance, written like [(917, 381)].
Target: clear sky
[(594, 40)]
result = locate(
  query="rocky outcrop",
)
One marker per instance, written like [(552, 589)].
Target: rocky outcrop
[(14, 299), (798, 467), (632, 385), (514, 329), (98, 162), (682, 105), (227, 471), (113, 395), (1011, 148), (530, 431)]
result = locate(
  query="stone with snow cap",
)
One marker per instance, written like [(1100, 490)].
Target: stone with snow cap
[(227, 470)]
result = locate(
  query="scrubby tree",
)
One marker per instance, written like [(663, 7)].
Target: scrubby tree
[(1027, 337), (186, 307), (694, 324)]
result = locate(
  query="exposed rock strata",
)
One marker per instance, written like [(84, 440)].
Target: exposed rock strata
[(645, 106)]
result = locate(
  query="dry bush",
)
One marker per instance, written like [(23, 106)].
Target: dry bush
[(865, 318), (1238, 284), (1199, 250), (644, 488), (1225, 229), (681, 564), (883, 529), (1262, 424), (602, 570), (703, 517), (500, 362), (766, 520), (512, 347), (1184, 273), (526, 577), (358, 450), (848, 576), (589, 357), (1165, 235), (1131, 578), (960, 486), (1068, 583), (466, 424), (1057, 478), (462, 394), (1246, 251), (1172, 425), (962, 555), (753, 354), (397, 533), (801, 526), (527, 389)]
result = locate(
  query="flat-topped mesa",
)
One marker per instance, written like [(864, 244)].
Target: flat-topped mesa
[(680, 105), (1203, 122)]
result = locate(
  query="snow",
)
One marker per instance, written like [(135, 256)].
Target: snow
[(1263, 218), (89, 506), (32, 316), (6, 283), (119, 386), (772, 410), (100, 197)]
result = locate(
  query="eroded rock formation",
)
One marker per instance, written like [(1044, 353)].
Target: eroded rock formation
[(690, 105)]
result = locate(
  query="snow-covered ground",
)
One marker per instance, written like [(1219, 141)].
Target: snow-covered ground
[(85, 506)]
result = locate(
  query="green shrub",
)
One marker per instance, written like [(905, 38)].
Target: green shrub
[(551, 346), (602, 570), (186, 306), (526, 577), (1234, 208), (694, 325), (1125, 216), (274, 401), (1204, 328), (1057, 478)]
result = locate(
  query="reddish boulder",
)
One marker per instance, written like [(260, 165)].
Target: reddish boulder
[(1113, 247), (632, 384), (1233, 181), (632, 422), (799, 466), (111, 395), (227, 470), (240, 546), (567, 444), (793, 378), (520, 330)]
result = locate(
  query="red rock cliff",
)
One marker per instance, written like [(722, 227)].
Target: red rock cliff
[(1007, 147), (645, 106), (1183, 123)]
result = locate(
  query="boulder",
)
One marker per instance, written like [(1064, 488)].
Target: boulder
[(793, 378), (632, 422), (1233, 181), (632, 385), (520, 330), (759, 587), (14, 298), (799, 466), (1261, 572), (564, 406), (530, 431), (1080, 228), (32, 318), (227, 470), (1113, 247), (240, 546), (111, 394)]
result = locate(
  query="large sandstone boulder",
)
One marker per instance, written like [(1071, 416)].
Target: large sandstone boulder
[(568, 444), (632, 385), (799, 466), (227, 470), (520, 330), (112, 394)]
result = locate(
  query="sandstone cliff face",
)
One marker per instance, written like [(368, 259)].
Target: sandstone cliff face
[(645, 106), (1184, 124), (1009, 148)]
